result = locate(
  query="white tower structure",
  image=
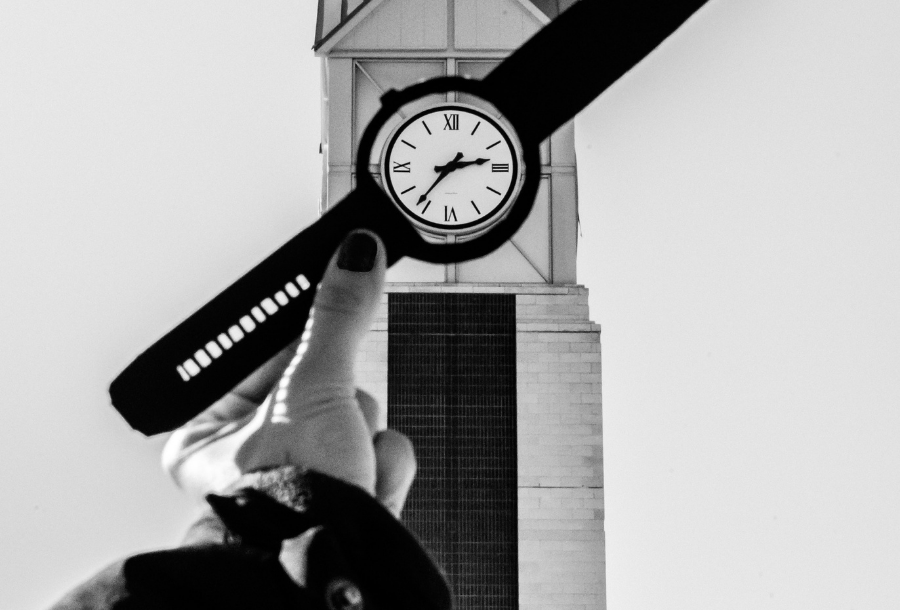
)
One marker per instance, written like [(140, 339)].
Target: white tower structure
[(491, 366)]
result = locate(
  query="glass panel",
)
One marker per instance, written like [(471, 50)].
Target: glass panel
[(476, 69), (452, 391), (480, 69), (372, 78)]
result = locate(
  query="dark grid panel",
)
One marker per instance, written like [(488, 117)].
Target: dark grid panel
[(452, 390)]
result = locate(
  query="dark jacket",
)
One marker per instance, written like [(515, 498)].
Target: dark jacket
[(283, 538)]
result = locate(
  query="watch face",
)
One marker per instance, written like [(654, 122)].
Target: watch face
[(452, 169)]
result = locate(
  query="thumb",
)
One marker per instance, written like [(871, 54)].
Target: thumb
[(345, 305), (315, 420)]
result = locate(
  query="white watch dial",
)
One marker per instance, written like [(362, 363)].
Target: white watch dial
[(453, 169)]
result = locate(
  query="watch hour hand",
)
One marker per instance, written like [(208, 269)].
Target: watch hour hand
[(444, 171), (449, 167), (460, 164)]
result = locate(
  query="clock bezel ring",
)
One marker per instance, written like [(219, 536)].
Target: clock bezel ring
[(415, 245), (480, 224)]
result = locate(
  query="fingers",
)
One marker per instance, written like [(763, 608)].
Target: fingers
[(395, 461), (260, 382), (315, 419), (374, 413), (200, 456), (225, 416), (330, 436), (345, 305), (395, 467), (222, 418)]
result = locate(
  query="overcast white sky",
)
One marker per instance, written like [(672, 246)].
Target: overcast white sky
[(740, 210)]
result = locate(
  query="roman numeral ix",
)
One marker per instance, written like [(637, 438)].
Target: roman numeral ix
[(402, 167)]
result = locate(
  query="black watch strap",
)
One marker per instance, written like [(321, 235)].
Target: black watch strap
[(538, 88), (566, 65)]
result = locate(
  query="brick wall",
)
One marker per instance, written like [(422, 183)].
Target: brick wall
[(560, 462), (561, 541)]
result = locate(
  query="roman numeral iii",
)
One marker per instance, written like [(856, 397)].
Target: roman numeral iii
[(499, 167)]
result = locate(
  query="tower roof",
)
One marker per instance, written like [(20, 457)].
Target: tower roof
[(334, 16)]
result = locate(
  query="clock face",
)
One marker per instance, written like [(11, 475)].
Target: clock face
[(452, 169)]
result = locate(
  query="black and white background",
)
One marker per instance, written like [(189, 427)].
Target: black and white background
[(740, 219)]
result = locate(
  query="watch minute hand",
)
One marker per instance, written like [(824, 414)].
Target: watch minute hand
[(445, 170)]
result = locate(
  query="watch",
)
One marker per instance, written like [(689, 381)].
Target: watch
[(452, 169), (468, 194)]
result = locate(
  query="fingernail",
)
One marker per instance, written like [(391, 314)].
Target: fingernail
[(358, 253)]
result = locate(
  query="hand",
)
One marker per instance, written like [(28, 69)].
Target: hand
[(446, 169), (456, 164), (302, 407), (444, 172)]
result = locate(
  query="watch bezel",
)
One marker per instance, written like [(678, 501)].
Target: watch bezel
[(480, 224), (489, 239)]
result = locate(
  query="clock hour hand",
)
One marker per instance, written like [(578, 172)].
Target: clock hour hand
[(455, 165), (445, 171)]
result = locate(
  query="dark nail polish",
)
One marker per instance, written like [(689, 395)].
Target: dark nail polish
[(358, 253)]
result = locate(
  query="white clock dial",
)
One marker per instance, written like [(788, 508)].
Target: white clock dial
[(453, 169)]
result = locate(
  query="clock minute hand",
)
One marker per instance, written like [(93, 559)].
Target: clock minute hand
[(460, 164), (445, 171)]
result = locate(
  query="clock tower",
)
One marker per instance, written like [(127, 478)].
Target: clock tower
[(490, 366)]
